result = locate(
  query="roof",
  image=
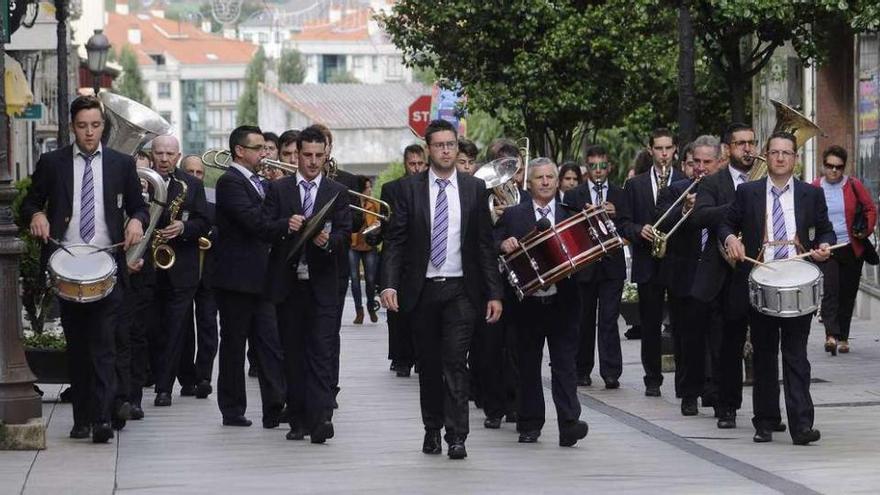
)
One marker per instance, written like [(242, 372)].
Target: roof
[(181, 40), (352, 26), (352, 106)]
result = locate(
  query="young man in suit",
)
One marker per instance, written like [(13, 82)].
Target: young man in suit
[(440, 266), (636, 226), (601, 283), (176, 286), (551, 313), (777, 215), (80, 194), (243, 251), (305, 288)]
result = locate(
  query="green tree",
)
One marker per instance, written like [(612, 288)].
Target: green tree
[(393, 171), (291, 69), (131, 83), (247, 106), (343, 77)]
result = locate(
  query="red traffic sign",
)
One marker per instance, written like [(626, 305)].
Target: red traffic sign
[(420, 115)]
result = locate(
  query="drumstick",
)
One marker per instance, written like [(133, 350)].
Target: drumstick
[(108, 248), (753, 260), (58, 243), (808, 253)]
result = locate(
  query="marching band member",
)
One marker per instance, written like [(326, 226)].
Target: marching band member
[(551, 313), (466, 161), (440, 265), (635, 225), (779, 213), (79, 194)]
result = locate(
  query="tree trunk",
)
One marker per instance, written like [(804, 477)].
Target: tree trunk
[(61, 11), (687, 100), (736, 81)]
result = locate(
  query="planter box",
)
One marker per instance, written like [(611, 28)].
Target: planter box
[(50, 365)]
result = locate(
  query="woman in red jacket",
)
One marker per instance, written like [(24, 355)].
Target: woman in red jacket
[(844, 269)]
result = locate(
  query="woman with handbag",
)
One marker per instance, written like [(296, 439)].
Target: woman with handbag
[(853, 214)]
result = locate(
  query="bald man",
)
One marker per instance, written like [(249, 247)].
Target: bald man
[(176, 285)]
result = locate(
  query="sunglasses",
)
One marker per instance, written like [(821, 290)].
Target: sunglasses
[(834, 167), (600, 165)]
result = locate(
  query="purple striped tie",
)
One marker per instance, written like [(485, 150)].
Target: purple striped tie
[(544, 211), (307, 202), (779, 234), (259, 185), (87, 200), (441, 226)]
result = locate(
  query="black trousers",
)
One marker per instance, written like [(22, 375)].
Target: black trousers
[(173, 304), (248, 317), (713, 336), (89, 329), (651, 302), (557, 323), (495, 365), (600, 309), (400, 339), (730, 360), (842, 273), (197, 362), (688, 335), (137, 320), (443, 322), (768, 335), (309, 332)]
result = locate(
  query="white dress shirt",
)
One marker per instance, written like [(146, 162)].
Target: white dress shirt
[(550, 290), (787, 201), (302, 269), (247, 174), (655, 179), (739, 177), (604, 189), (452, 267), (102, 233)]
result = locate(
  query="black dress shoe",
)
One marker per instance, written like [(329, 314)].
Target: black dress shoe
[(652, 391), (529, 436), (492, 423), (727, 421), (457, 450), (123, 411), (689, 407), (584, 381), (321, 432), (569, 434), (612, 383), (80, 431), (634, 333), (102, 433), (762, 436), (403, 371), (432, 445), (163, 399), (779, 427), (137, 413), (188, 391), (236, 421), (203, 389), (806, 437)]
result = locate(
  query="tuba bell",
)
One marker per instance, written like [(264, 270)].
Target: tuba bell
[(787, 120), (499, 178)]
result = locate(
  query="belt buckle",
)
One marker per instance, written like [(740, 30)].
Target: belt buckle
[(438, 279)]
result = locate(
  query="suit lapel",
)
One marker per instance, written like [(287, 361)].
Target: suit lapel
[(295, 198), (107, 179), (465, 198), (727, 183), (321, 196), (761, 209), (800, 194), (648, 191), (67, 175), (249, 186), (422, 201)]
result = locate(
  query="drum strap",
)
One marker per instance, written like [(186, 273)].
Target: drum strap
[(799, 248)]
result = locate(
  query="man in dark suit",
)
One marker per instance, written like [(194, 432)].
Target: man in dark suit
[(440, 263), (304, 288), (79, 194), (245, 314), (685, 247), (175, 286), (400, 336), (197, 365), (552, 313), (601, 283), (776, 216), (636, 222)]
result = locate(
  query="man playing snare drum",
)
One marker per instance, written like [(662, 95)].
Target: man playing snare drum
[(777, 216), (78, 195)]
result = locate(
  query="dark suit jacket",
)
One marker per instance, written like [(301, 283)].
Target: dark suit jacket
[(242, 247), (185, 272), (51, 191), (678, 267), (613, 265), (640, 210), (283, 201), (408, 242), (518, 221), (715, 195), (748, 215), (390, 192), (210, 263)]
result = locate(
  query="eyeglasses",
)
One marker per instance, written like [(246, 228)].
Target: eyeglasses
[(834, 167), (743, 144), (449, 145), (781, 153), (600, 165), (254, 147)]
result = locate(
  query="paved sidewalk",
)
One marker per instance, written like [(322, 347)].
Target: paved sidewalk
[(636, 444)]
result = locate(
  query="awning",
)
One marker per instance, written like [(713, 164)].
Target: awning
[(18, 92)]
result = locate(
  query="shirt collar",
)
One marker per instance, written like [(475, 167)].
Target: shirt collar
[(98, 151), (244, 171), (593, 184), (551, 205), (453, 179), (316, 180), (789, 184)]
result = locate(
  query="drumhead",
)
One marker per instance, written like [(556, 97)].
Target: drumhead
[(786, 273), (84, 265)]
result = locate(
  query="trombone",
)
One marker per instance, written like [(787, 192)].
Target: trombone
[(384, 217), (658, 245)]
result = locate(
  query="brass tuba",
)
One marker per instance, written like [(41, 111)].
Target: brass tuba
[(130, 126), (498, 176), (787, 120)]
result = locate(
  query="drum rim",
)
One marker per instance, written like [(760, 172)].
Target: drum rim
[(790, 261), (564, 225), (578, 261)]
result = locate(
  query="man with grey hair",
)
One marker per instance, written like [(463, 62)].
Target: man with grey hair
[(677, 269), (552, 313)]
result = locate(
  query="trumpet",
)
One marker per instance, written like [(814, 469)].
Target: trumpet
[(222, 159), (658, 245)]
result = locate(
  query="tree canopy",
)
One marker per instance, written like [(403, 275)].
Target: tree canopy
[(291, 69), (131, 82), (247, 108)]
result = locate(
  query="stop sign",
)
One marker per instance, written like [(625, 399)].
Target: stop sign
[(420, 115)]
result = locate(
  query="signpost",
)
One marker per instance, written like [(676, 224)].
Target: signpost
[(420, 115)]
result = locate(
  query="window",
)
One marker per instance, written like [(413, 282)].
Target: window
[(249, 37), (212, 91), (214, 123), (164, 90), (263, 38), (231, 90), (357, 62), (375, 63), (158, 58), (229, 119), (216, 143), (394, 69)]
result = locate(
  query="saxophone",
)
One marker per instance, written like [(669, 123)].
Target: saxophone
[(163, 254)]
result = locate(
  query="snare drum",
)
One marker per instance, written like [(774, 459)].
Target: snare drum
[(786, 288), (85, 277), (547, 256)]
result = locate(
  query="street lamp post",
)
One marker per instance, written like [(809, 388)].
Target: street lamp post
[(97, 48)]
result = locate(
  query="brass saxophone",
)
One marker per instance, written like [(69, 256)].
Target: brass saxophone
[(163, 254)]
